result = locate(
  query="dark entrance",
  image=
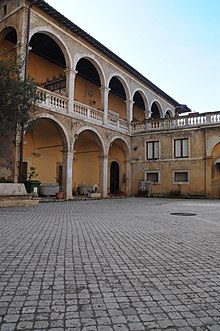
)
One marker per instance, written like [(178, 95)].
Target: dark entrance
[(114, 178)]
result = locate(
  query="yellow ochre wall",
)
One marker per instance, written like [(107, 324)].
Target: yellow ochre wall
[(167, 164), (85, 161), (44, 135), (40, 69), (87, 93), (138, 113), (9, 47), (117, 105)]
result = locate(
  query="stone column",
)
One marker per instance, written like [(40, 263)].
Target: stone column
[(70, 84), (104, 102), (67, 173), (129, 104), (128, 178), (20, 52), (147, 113), (104, 175)]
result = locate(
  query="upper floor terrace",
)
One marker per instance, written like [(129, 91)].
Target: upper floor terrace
[(83, 79), (192, 120), (77, 75), (58, 103)]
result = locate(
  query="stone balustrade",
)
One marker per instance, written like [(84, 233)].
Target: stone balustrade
[(89, 113), (51, 100), (57, 103), (180, 122)]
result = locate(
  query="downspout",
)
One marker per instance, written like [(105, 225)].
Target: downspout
[(32, 3), (205, 160)]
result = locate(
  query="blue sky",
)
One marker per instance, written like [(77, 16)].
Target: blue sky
[(174, 43)]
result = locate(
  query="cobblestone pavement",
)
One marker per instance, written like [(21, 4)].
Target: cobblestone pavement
[(125, 264)]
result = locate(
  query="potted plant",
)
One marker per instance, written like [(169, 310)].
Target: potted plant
[(60, 193), (31, 184)]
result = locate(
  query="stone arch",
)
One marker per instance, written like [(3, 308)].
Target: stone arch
[(140, 106), (60, 127), (211, 143), (119, 177), (96, 135), (123, 82), (9, 40), (168, 113), (88, 82), (143, 95), (119, 101), (94, 62), (45, 146), (4, 32), (123, 143), (57, 38), (156, 103), (87, 160)]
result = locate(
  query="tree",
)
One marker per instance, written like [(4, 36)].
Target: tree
[(17, 97)]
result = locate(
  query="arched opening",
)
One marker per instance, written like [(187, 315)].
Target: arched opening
[(87, 84), (117, 98), (88, 150), (114, 177), (138, 107), (46, 63), (43, 146), (8, 42), (117, 181), (216, 171), (155, 111), (168, 114)]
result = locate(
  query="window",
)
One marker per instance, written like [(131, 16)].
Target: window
[(181, 177), (181, 148), (5, 9), (153, 150), (152, 177)]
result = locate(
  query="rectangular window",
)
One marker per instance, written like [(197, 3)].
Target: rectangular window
[(153, 150), (152, 177), (181, 177), (181, 148), (5, 8)]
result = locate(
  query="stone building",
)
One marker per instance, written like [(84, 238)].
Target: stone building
[(100, 121)]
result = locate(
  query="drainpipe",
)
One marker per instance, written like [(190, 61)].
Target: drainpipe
[(204, 137), (32, 3)]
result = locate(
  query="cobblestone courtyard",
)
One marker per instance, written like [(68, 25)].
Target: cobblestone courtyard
[(125, 264)]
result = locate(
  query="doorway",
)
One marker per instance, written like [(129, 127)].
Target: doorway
[(114, 178)]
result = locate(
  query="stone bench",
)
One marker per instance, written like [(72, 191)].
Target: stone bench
[(15, 194)]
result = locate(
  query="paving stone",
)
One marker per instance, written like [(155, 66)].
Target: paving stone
[(8, 327), (110, 265)]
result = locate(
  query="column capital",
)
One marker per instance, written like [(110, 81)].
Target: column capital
[(105, 156), (129, 102), (105, 88), (70, 71), (68, 151)]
